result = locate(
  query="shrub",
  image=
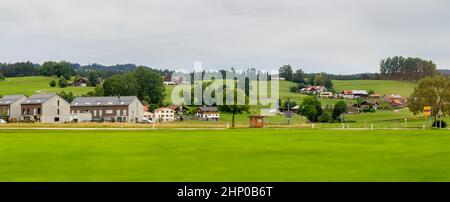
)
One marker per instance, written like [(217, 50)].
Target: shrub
[(326, 116), (385, 105), (294, 89), (440, 124), (63, 83), (52, 83), (368, 110)]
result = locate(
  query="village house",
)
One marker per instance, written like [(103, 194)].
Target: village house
[(360, 94), (172, 80), (180, 111), (369, 104), (313, 90), (45, 108), (346, 94), (10, 107), (353, 94), (326, 95), (375, 96), (208, 113), (396, 101), (164, 114), (147, 114), (80, 82), (114, 108)]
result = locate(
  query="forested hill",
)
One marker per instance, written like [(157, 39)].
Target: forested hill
[(20, 69), (444, 71), (115, 68)]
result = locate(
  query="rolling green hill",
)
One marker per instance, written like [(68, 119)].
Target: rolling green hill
[(36, 84), (379, 86)]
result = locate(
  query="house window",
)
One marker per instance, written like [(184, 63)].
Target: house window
[(118, 112), (34, 111), (56, 119), (57, 111), (58, 103), (100, 112), (39, 111), (95, 112), (109, 111), (124, 112)]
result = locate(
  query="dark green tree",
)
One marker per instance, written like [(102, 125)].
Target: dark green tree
[(236, 107), (124, 85), (92, 79), (149, 84), (434, 92), (62, 83), (339, 108), (298, 76), (52, 83), (311, 108), (69, 97), (286, 72)]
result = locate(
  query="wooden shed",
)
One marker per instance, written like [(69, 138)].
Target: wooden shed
[(256, 121)]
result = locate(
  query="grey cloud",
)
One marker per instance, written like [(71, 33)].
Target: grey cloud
[(344, 36)]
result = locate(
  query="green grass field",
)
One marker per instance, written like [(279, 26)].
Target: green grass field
[(38, 84), (379, 86), (225, 155)]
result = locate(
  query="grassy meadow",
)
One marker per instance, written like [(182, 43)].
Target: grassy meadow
[(224, 155), (36, 84), (382, 87)]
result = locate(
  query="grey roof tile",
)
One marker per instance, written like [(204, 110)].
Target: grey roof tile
[(103, 101)]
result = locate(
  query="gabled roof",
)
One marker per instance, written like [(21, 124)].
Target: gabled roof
[(163, 108), (361, 92), (347, 92), (10, 99), (82, 79), (173, 107), (392, 96), (209, 109), (39, 98), (103, 101), (313, 88)]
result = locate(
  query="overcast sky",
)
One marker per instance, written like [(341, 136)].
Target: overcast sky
[(335, 36)]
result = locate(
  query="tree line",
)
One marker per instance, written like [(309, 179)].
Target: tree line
[(65, 69), (406, 68), (19, 69)]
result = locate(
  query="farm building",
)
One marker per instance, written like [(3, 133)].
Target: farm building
[(208, 113), (346, 94), (353, 94), (396, 101), (313, 89), (326, 95), (375, 96), (368, 104), (115, 108), (80, 82), (10, 107), (360, 94), (172, 80), (45, 108)]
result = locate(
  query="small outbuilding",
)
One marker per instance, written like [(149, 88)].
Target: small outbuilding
[(256, 121)]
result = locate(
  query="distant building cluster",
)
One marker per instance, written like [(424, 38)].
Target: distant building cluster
[(370, 100)]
